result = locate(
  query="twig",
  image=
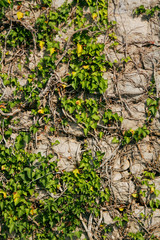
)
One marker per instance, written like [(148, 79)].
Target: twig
[(31, 219), (48, 85), (112, 155), (140, 223), (87, 229), (100, 219), (140, 151), (9, 114)]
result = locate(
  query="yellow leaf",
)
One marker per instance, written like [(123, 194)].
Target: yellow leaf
[(152, 189), (19, 15), (41, 44), (78, 102), (76, 171), (63, 85), (4, 193), (135, 195), (94, 16), (41, 111), (132, 131), (73, 73), (9, 1), (3, 167), (16, 198), (91, 188), (52, 50), (79, 49), (2, 106), (103, 69), (121, 209), (16, 195), (33, 211), (40, 67), (86, 66)]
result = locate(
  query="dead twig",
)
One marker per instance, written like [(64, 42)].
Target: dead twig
[(87, 229), (111, 155), (9, 114)]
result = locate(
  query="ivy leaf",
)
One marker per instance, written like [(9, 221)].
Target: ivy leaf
[(134, 195), (4, 193), (86, 66), (121, 209), (94, 16), (76, 171), (41, 111), (127, 139), (41, 44), (29, 172), (19, 15), (8, 132), (115, 140), (101, 135), (95, 117), (16, 198), (26, 138), (11, 227), (79, 49), (149, 101), (85, 131), (1, 137), (52, 50)]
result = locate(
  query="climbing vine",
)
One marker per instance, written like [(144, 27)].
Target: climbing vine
[(36, 198)]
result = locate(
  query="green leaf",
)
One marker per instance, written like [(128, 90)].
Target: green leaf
[(11, 227), (153, 110), (95, 117), (52, 129), (26, 138), (157, 192), (1, 137), (149, 101), (17, 200), (8, 132), (101, 135), (35, 130), (127, 139), (93, 125), (1, 205), (56, 143), (85, 131), (151, 203), (115, 140), (29, 172)]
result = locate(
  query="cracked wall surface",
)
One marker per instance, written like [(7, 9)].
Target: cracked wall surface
[(127, 92)]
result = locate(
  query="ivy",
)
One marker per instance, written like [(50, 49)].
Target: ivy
[(149, 12), (21, 213), (36, 197)]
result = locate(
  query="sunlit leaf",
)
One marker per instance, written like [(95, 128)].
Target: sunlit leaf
[(19, 15), (79, 49), (41, 44)]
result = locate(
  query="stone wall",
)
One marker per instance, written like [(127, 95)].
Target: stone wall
[(127, 91), (139, 38)]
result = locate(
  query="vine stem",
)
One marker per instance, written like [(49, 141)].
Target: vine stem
[(87, 229)]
